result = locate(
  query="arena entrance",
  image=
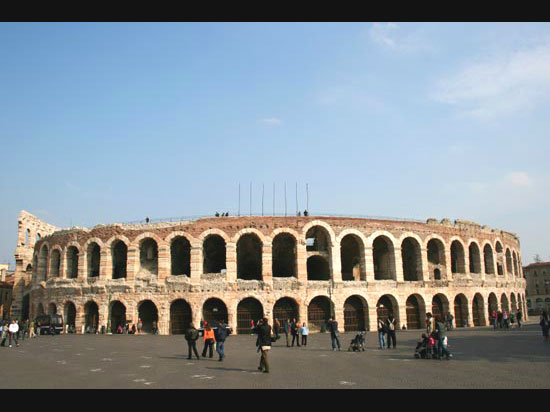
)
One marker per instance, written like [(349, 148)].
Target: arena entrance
[(461, 311), (118, 315), (214, 311), (504, 303), (248, 310), (286, 308), (180, 317), (493, 304), (70, 314), (478, 313), (91, 316), (318, 313), (387, 306), (440, 306), (148, 313), (354, 314), (415, 312)]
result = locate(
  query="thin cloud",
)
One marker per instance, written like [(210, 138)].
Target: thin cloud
[(519, 179), (502, 85), (272, 121), (395, 38)]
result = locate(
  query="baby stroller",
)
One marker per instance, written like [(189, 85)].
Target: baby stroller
[(357, 344), (424, 348)]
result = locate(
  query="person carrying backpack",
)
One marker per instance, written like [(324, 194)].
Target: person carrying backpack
[(381, 333), (390, 330), (221, 333), (191, 336)]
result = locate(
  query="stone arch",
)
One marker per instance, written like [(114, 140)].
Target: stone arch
[(488, 259), (461, 310), (504, 304), (249, 256), (440, 306), (352, 256), (318, 312), (319, 239), (148, 256), (214, 251), (93, 258), (119, 257), (513, 302), (435, 247), (492, 304), (499, 257), (180, 233), (148, 313), (55, 261), (356, 314), (318, 268), (214, 310), (498, 246), (478, 310), (71, 257), (411, 256), (475, 257), (69, 314), (249, 310), (286, 308), (43, 262), (515, 264), (284, 252), (383, 254), (180, 256), (416, 312), (91, 316), (331, 235), (181, 316), (458, 260), (117, 315), (387, 305), (508, 262)]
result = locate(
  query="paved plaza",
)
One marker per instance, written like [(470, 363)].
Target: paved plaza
[(483, 358)]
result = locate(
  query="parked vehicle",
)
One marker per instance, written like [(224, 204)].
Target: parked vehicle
[(44, 323)]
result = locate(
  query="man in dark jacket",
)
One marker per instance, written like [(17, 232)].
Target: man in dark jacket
[(221, 333), (191, 336), (286, 328), (264, 342), (334, 334), (441, 332), (295, 333)]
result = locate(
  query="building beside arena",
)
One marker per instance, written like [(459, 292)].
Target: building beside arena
[(240, 268), (537, 278)]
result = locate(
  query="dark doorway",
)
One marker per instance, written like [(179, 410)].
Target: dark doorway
[(249, 257), (213, 250), (461, 311), (318, 312), (72, 262), (180, 317), (249, 310), (70, 314), (354, 314), (385, 307), (120, 255), (180, 252), (148, 313), (285, 308), (383, 258), (91, 316), (317, 268), (477, 311), (413, 313), (284, 255), (214, 311), (118, 315), (412, 260)]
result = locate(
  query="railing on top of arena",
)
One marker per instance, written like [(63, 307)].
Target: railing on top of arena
[(316, 214)]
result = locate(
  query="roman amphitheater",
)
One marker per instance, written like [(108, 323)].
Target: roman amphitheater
[(240, 268)]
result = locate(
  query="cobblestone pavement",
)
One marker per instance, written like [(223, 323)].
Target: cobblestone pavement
[(483, 358)]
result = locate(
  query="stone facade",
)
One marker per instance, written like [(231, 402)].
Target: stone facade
[(537, 277), (240, 267)]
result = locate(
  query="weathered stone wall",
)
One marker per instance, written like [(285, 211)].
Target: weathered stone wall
[(162, 289)]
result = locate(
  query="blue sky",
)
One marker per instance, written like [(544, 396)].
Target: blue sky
[(105, 122)]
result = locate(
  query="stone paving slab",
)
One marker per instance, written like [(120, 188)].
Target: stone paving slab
[(483, 358)]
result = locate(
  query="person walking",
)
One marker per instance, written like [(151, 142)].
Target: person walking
[(505, 319), (264, 343), (276, 327), (499, 319), (221, 333), (32, 333), (13, 331), (382, 333), (191, 336), (209, 340), (494, 319), (390, 329), (334, 334), (545, 326), (518, 317), (294, 329), (441, 333), (286, 328), (139, 326), (305, 332), (450, 317), (429, 324)]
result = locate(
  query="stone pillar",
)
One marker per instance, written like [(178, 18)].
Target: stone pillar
[(373, 317), (196, 263), (398, 265), (105, 264), (132, 266), (339, 316), (301, 261), (369, 264), (163, 262), (482, 267), (231, 261), (232, 318), (467, 263), (302, 311), (335, 263), (267, 262), (82, 265), (63, 265), (448, 275), (424, 264), (164, 321), (402, 313)]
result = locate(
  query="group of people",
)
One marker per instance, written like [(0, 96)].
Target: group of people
[(386, 332), (211, 336), (289, 327), (10, 331), (222, 215), (434, 343), (505, 319)]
